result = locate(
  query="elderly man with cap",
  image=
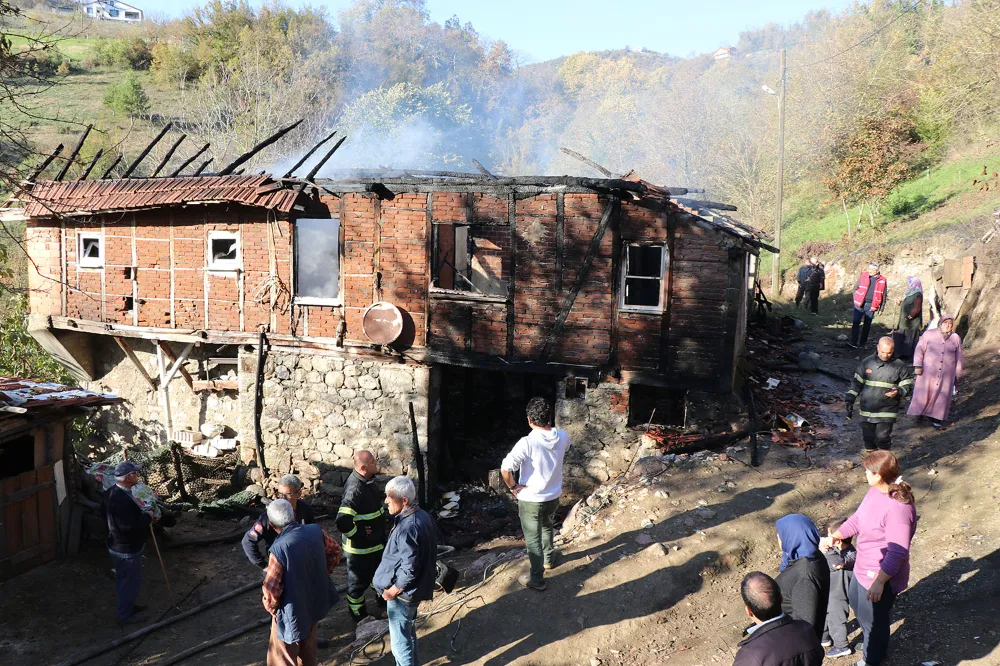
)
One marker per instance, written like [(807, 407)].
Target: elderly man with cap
[(128, 528), (869, 300), (288, 488)]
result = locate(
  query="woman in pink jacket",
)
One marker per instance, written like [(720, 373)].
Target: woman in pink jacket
[(937, 363), (884, 525)]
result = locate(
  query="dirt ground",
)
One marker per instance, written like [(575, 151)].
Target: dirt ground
[(671, 598)]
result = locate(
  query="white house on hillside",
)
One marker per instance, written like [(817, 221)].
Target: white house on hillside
[(724, 53), (111, 10)]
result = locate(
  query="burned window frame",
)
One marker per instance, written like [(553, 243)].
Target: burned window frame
[(223, 265), (318, 300), (90, 262), (661, 306), (465, 283)]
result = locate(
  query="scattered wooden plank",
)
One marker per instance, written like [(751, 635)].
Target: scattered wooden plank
[(111, 168), (203, 165), (215, 385), (74, 153), (589, 162), (201, 647)]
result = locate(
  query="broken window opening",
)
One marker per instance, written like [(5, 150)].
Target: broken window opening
[(576, 388), (17, 456), (464, 259), (317, 261), (643, 277), (91, 251), (656, 405), (223, 251)]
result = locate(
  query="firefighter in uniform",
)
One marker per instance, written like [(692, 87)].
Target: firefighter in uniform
[(880, 383), (362, 522)]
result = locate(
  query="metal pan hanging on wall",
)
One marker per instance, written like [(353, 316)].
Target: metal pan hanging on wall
[(382, 323)]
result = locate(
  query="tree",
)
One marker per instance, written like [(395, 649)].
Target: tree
[(868, 162), (127, 96)]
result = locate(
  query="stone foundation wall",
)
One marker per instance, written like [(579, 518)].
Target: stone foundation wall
[(318, 410), (597, 424)]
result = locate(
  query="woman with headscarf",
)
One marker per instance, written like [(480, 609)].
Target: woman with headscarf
[(804, 578), (937, 364), (911, 317), (884, 525)]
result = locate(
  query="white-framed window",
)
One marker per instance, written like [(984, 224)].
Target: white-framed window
[(317, 261), (90, 250), (223, 251), (643, 284)]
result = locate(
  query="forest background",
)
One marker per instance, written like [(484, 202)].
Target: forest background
[(891, 106)]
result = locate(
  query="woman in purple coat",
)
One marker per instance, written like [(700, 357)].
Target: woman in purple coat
[(937, 363)]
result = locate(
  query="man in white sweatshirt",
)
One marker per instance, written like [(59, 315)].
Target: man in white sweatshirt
[(539, 459)]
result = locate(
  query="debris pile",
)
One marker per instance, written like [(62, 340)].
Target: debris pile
[(477, 513)]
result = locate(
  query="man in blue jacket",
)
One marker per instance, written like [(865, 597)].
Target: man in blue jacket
[(128, 528), (407, 572)]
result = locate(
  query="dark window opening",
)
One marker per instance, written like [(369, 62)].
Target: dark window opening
[(91, 248), (576, 388), (656, 405), (224, 249), (317, 259), (643, 276), (128, 303), (17, 456), (469, 258)]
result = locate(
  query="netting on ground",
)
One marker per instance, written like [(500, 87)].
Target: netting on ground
[(209, 480)]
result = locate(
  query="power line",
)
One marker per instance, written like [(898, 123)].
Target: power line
[(862, 40)]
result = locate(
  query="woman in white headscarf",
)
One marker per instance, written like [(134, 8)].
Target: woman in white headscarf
[(937, 364), (911, 317)]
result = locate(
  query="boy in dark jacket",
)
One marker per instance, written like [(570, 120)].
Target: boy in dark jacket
[(841, 560)]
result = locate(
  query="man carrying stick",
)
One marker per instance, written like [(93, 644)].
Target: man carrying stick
[(128, 528)]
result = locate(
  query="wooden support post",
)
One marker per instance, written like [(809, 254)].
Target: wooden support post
[(245, 157), (295, 167), (176, 172), (512, 286), (127, 348), (166, 158), (173, 359), (93, 163), (74, 153), (581, 277), (132, 167)]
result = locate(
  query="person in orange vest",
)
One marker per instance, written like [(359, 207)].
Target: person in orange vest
[(869, 300)]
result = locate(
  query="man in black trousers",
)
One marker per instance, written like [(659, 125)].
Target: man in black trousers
[(362, 520), (128, 528)]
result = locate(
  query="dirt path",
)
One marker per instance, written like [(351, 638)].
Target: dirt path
[(614, 599)]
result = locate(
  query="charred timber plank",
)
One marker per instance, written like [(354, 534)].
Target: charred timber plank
[(288, 174), (127, 348), (74, 153), (697, 203), (203, 165), (46, 162), (166, 158), (245, 157), (132, 167), (176, 172), (319, 165), (92, 164), (581, 277), (111, 168), (589, 162), (512, 287), (616, 261), (483, 170), (268, 187)]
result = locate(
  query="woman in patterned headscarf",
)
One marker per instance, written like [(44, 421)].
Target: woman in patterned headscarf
[(911, 317)]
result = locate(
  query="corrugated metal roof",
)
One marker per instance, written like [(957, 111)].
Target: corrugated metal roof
[(32, 395), (48, 198)]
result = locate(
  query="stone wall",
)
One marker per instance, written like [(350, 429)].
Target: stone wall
[(597, 424), (318, 410)]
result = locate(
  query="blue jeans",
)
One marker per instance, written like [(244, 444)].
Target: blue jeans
[(128, 579), (403, 632)]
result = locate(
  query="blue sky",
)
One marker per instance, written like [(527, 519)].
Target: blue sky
[(544, 29)]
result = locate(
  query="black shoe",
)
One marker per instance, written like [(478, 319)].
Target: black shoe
[(134, 618), (136, 608)]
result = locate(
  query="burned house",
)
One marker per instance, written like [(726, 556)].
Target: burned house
[(384, 309), (37, 493)]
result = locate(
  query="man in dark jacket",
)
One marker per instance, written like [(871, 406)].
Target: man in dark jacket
[(804, 278), (128, 528), (297, 589), (815, 284), (775, 639), (288, 488), (407, 573), (880, 383), (361, 520)]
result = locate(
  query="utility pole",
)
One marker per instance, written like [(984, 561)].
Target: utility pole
[(776, 258)]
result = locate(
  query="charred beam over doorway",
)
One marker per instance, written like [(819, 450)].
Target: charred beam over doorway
[(245, 157), (319, 165), (93, 163), (176, 172), (111, 168), (166, 158), (581, 277), (46, 162), (589, 162), (132, 167), (295, 167), (74, 153)]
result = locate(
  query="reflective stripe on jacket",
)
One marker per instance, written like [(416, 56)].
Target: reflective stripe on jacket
[(362, 517), (872, 379)]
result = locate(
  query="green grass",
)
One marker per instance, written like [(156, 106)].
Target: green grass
[(76, 49)]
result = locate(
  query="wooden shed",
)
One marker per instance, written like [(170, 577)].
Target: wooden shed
[(36, 469)]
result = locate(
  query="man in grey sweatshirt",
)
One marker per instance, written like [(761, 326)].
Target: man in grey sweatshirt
[(539, 460)]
